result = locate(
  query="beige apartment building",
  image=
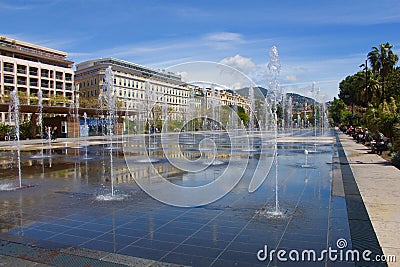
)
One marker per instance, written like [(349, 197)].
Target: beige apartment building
[(131, 80), (30, 68), (133, 83), (222, 97)]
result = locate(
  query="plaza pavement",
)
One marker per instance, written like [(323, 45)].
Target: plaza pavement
[(379, 185), (377, 181)]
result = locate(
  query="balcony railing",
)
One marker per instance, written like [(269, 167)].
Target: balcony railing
[(58, 77), (33, 84), (45, 85), (7, 80), (21, 82), (59, 86), (32, 72), (32, 50), (45, 74), (21, 71)]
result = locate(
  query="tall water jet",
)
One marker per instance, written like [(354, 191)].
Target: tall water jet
[(148, 119), (218, 118), (283, 106), (290, 115), (236, 118), (15, 109), (110, 100), (164, 114), (212, 100), (325, 119), (274, 67), (148, 106), (299, 123), (205, 107), (250, 132), (40, 103), (252, 107), (315, 94), (191, 112), (86, 131), (75, 107), (43, 132), (49, 141), (305, 114)]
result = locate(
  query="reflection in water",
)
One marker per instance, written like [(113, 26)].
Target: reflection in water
[(66, 190)]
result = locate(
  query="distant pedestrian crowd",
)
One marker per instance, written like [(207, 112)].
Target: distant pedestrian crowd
[(377, 141)]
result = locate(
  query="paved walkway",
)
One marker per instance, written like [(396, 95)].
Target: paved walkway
[(22, 251), (379, 185)]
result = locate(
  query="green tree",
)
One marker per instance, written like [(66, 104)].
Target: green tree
[(89, 102), (382, 61), (388, 115), (338, 112), (243, 115), (393, 84), (348, 89), (58, 100)]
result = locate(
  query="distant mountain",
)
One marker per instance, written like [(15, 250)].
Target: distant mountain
[(299, 101), (260, 93)]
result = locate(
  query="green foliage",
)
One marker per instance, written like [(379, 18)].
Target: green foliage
[(396, 160), (393, 85), (359, 89), (338, 112), (26, 130), (130, 127), (243, 115), (58, 100), (173, 124), (23, 98), (372, 94), (89, 102), (383, 60), (6, 130), (383, 117)]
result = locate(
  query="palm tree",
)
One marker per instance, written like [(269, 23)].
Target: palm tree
[(382, 61), (374, 87)]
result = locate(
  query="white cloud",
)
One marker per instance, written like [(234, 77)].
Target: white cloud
[(14, 7), (223, 40), (244, 64), (225, 37), (290, 78)]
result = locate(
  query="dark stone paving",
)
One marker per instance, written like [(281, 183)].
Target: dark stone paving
[(69, 224), (362, 233)]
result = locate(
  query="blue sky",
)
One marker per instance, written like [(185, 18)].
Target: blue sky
[(321, 41)]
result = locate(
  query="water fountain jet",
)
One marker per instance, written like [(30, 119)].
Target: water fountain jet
[(306, 165), (110, 97), (274, 67)]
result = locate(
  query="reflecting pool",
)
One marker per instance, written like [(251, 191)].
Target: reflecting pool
[(62, 205)]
